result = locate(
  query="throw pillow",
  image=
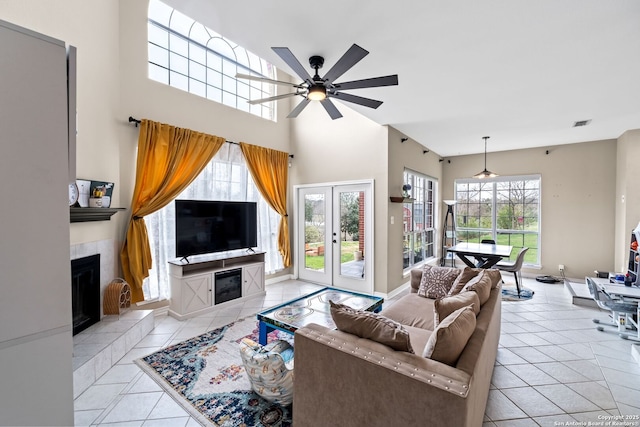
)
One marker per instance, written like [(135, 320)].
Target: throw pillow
[(373, 326), (495, 275), (466, 275), (481, 286), (436, 281), (443, 307), (450, 337)]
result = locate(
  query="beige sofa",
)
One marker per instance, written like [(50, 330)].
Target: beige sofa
[(341, 379)]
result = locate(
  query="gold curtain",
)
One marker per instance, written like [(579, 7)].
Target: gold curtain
[(169, 159), (269, 169)]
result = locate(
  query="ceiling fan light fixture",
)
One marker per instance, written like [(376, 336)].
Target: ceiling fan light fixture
[(485, 173), (317, 92)]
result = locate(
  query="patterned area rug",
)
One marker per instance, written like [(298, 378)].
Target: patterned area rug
[(205, 375), (510, 293)]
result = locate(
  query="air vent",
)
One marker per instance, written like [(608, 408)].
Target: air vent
[(581, 123)]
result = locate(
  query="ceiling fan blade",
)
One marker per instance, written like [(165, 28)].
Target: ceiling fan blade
[(292, 61), (348, 60), (294, 113), (331, 108), (367, 102), (265, 80), (373, 82), (273, 98)]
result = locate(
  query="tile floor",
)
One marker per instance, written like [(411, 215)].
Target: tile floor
[(553, 367)]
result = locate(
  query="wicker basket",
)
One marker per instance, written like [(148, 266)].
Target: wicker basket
[(117, 297)]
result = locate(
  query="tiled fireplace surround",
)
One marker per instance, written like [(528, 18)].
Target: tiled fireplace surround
[(99, 347)]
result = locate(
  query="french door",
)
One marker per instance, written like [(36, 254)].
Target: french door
[(334, 235)]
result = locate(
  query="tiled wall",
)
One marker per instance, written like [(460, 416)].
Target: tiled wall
[(109, 252)]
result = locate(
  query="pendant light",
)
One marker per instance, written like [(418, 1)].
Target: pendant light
[(485, 173)]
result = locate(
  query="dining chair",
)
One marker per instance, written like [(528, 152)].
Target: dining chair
[(514, 267)]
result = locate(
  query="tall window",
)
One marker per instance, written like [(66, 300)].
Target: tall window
[(187, 55), (418, 219), (505, 209), (226, 177)]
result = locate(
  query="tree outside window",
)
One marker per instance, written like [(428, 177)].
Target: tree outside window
[(504, 209)]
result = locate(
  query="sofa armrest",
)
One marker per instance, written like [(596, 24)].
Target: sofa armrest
[(370, 384)]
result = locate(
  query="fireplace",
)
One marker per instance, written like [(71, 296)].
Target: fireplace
[(85, 292), (228, 285)]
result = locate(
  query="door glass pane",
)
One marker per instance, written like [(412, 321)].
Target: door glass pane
[(314, 231), (352, 234)]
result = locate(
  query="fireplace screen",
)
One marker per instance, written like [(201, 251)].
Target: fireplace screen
[(228, 285), (85, 292)]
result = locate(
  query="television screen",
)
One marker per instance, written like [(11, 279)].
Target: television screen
[(214, 226)]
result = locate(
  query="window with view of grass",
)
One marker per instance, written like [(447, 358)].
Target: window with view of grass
[(504, 209), (418, 219), (185, 54)]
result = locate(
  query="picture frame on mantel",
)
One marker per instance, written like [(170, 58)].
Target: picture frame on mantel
[(108, 191), (86, 188)]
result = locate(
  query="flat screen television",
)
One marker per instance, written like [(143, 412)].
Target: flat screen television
[(214, 226)]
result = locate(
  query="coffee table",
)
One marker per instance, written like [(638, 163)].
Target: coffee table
[(313, 308)]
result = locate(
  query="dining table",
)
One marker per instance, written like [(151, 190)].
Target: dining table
[(486, 255)]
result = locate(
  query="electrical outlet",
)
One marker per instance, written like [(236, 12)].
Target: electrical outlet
[(561, 267)]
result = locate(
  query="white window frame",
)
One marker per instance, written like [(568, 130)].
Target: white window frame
[(409, 234), (185, 54), (495, 230)]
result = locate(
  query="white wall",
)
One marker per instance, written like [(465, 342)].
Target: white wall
[(347, 149), (91, 26), (409, 155), (627, 201), (578, 188)]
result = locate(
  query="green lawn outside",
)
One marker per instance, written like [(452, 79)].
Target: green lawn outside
[(315, 262), (530, 241)]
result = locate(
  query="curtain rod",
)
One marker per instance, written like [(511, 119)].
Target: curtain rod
[(137, 122)]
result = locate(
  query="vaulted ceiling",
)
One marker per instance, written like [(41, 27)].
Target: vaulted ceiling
[(520, 71)]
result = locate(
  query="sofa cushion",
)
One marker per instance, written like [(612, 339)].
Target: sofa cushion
[(436, 281), (495, 275), (475, 279), (482, 286), (450, 337), (464, 277), (445, 306), (411, 310), (373, 326), (418, 336)]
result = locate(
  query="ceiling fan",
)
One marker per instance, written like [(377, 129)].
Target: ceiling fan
[(321, 89)]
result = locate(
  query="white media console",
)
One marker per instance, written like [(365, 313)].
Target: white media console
[(208, 282)]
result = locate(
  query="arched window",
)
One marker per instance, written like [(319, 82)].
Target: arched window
[(187, 55)]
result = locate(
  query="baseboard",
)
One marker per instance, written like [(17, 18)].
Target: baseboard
[(161, 311), (397, 291), (279, 279)]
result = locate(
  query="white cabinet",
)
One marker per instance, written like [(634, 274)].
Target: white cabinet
[(252, 279), (196, 293), (209, 282), (35, 307)]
